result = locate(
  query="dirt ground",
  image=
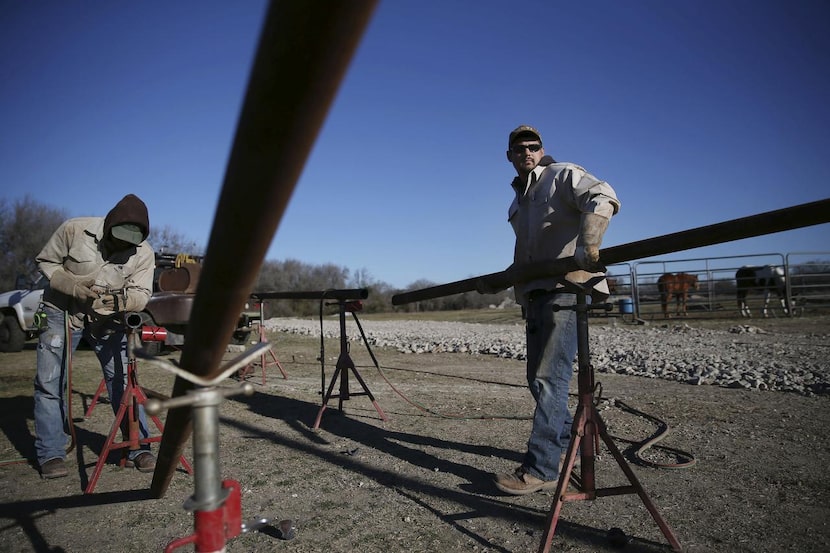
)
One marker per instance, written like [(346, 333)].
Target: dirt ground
[(421, 480)]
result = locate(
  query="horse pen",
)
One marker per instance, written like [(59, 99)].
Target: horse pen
[(747, 286)]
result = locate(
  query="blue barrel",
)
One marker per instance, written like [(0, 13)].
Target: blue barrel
[(626, 306)]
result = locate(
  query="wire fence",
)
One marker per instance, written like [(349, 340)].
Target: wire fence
[(805, 287)]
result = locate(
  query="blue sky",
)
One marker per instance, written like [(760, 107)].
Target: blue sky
[(696, 112)]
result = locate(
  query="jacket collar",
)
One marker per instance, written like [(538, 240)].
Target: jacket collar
[(521, 187)]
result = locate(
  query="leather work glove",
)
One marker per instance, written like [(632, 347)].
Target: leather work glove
[(592, 228), (106, 304), (134, 301), (79, 288)]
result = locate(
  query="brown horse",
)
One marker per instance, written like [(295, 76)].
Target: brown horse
[(677, 285)]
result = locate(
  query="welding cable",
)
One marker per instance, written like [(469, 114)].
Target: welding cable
[(67, 388), (643, 445), (659, 435), (67, 362), (5, 462), (426, 409)]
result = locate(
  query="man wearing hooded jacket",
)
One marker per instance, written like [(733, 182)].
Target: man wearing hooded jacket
[(97, 268)]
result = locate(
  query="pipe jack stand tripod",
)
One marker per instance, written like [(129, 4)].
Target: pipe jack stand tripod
[(216, 504), (345, 364), (588, 427), (245, 372), (127, 417), (262, 338)]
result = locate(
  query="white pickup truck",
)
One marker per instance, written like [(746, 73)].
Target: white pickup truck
[(17, 313)]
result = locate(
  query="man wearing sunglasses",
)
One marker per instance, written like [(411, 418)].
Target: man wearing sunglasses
[(559, 210)]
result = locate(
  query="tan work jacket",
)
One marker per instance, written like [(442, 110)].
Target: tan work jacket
[(75, 246), (546, 215)]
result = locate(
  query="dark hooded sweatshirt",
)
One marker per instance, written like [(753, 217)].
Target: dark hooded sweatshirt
[(78, 248)]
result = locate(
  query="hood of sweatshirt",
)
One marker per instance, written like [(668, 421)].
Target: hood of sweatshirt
[(129, 210)]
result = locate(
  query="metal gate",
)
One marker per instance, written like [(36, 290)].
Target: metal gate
[(807, 286)]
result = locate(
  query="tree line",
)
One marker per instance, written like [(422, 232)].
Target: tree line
[(27, 224)]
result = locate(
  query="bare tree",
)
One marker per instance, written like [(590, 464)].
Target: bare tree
[(25, 227), (167, 239), (361, 278), (292, 275)]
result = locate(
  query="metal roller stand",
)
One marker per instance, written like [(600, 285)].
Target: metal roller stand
[(344, 365), (216, 504)]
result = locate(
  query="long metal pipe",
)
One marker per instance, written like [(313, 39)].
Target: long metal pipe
[(803, 215), (332, 294), (303, 53)]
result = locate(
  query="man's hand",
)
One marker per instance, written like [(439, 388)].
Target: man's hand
[(79, 288), (592, 228), (107, 304), (587, 258)]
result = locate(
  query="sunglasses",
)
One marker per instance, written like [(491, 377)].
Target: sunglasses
[(520, 148)]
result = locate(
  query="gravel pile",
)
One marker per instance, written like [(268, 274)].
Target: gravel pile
[(743, 356)]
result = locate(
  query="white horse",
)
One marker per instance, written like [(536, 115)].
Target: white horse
[(768, 279)]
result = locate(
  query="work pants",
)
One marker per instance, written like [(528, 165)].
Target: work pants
[(110, 345), (551, 349)]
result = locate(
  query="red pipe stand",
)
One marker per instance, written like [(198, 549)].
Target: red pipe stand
[(215, 527), (132, 397), (588, 428), (101, 387), (148, 334), (264, 363)]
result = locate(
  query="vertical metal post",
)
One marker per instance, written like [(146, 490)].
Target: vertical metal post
[(344, 348), (207, 480)]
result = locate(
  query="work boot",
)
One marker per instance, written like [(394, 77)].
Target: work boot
[(521, 482), (144, 462), (53, 468)]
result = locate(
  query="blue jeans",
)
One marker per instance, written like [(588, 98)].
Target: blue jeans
[(551, 349), (50, 381)]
